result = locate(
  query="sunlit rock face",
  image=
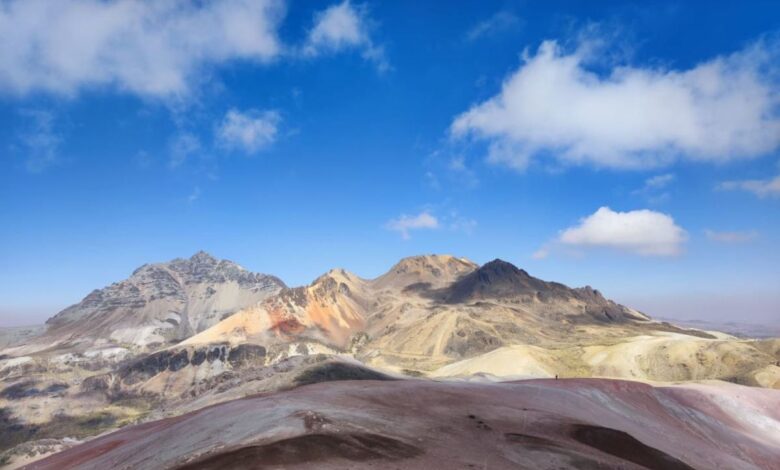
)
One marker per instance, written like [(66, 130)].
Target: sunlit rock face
[(161, 303)]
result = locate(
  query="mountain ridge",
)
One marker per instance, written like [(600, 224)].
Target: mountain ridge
[(160, 343)]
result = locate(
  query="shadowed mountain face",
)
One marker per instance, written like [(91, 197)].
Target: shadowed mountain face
[(162, 302), (499, 280)]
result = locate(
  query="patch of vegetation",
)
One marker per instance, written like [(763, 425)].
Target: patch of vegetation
[(14, 432), (413, 373), (335, 371)]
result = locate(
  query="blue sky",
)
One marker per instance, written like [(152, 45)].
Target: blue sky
[(633, 148)]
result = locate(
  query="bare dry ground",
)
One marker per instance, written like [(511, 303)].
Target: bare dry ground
[(534, 424)]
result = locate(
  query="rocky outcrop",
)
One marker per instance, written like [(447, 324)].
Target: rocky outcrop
[(173, 360), (161, 303)]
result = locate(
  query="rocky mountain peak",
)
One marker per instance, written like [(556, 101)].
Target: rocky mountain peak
[(201, 257), (164, 301), (499, 279), (435, 270), (499, 268)]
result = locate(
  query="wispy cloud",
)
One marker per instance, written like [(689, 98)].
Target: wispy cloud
[(554, 104), (458, 223), (654, 189), (148, 48), (39, 140), (450, 170), (731, 237), (641, 232), (404, 224), (500, 21), (249, 131), (183, 146), (659, 181), (433, 217), (344, 26), (194, 195), (761, 188)]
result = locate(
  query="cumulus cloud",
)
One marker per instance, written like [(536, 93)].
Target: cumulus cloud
[(407, 223), (630, 117), (642, 232), (344, 26), (761, 188), (144, 47), (500, 21), (731, 237), (249, 131)]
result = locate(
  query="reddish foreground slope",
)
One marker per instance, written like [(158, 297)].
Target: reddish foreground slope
[(576, 423)]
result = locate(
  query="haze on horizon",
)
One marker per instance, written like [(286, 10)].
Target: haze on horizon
[(631, 148)]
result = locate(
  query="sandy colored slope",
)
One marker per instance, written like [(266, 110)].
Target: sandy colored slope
[(662, 357), (237, 328), (512, 361), (330, 310)]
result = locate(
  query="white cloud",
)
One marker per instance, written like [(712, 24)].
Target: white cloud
[(39, 139), (642, 232), (731, 237), (341, 27), (144, 47), (406, 223), (761, 188), (630, 117), (500, 21), (249, 131)]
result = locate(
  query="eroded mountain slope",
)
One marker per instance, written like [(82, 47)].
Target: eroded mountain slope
[(428, 312)]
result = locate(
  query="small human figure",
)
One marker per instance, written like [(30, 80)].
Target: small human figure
[(556, 376)]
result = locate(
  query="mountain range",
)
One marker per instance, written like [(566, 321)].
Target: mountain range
[(179, 336)]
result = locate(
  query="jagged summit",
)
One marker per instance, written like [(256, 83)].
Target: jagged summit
[(201, 257), (161, 302)]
